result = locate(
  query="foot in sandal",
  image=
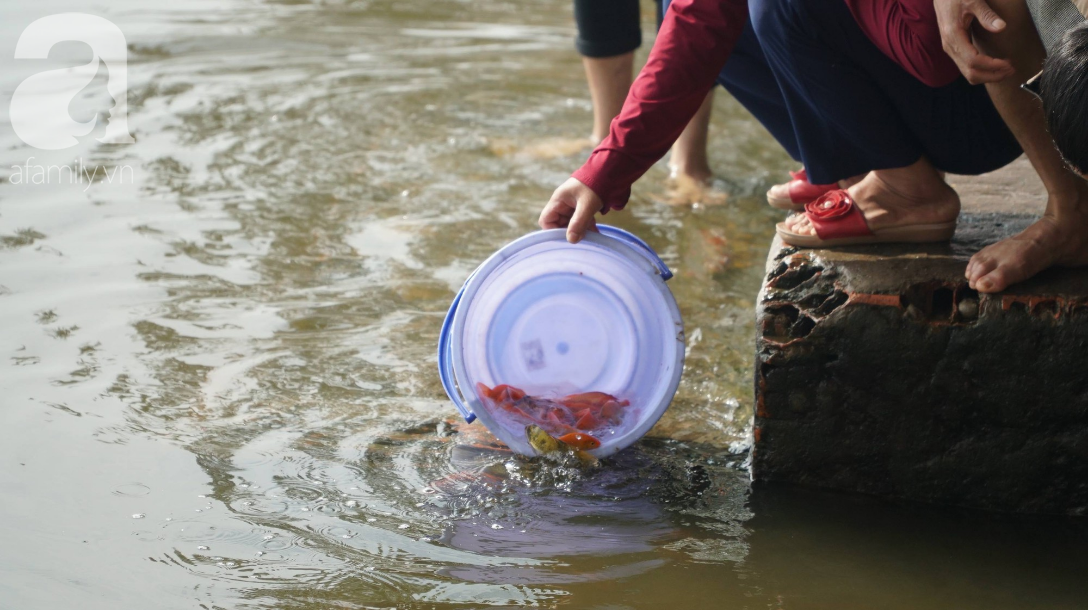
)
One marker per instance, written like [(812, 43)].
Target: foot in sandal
[(906, 204), (793, 195)]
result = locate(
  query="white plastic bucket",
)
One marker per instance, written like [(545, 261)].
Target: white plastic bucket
[(554, 318)]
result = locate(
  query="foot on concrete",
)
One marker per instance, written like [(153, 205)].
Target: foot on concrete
[(1050, 241), (892, 198)]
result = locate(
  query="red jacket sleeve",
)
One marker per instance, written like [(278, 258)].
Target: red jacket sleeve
[(692, 46), (907, 32)]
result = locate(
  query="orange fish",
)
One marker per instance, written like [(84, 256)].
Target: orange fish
[(580, 441), (600, 406), (569, 419), (589, 398)]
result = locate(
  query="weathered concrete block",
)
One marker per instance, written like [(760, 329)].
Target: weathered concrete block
[(880, 371)]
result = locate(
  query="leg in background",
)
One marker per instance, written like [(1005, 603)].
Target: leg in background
[(688, 157), (1061, 235), (748, 78), (609, 31), (609, 80), (690, 177), (689, 166)]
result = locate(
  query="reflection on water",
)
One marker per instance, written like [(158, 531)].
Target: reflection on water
[(218, 378)]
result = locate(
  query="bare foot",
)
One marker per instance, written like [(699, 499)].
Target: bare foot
[(897, 197), (1050, 241), (685, 189), (688, 161), (697, 172)]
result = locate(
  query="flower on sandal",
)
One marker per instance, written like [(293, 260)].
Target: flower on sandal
[(834, 204)]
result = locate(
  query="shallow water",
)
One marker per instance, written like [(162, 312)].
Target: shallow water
[(218, 375)]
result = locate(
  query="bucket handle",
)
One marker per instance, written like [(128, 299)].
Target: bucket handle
[(632, 240), (445, 366)]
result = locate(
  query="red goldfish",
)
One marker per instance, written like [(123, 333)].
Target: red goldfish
[(569, 419)]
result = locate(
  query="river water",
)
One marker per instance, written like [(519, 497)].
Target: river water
[(217, 357)]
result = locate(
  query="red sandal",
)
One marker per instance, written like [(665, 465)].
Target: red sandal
[(801, 191), (839, 222)]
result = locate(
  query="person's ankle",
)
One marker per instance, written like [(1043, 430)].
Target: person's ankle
[(1068, 202), (697, 169), (918, 188), (846, 183)]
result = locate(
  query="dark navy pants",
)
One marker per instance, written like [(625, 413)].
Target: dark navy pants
[(836, 103)]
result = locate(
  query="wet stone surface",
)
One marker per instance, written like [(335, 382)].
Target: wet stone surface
[(880, 371)]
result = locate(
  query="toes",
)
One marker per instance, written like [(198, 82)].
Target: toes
[(994, 281), (798, 224), (980, 265), (1003, 274), (779, 191), (1011, 261)]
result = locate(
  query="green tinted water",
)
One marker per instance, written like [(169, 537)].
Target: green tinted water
[(218, 375)]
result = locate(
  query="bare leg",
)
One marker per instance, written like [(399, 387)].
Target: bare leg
[(1060, 237), (916, 194), (688, 156), (609, 80), (689, 169)]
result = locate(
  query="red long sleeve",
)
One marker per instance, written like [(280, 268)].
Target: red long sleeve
[(907, 32), (692, 46)]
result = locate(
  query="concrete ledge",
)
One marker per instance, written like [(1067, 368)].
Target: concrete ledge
[(879, 371)]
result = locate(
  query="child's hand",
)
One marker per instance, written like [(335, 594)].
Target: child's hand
[(573, 206)]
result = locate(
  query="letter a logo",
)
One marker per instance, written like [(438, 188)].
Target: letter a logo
[(39, 106)]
